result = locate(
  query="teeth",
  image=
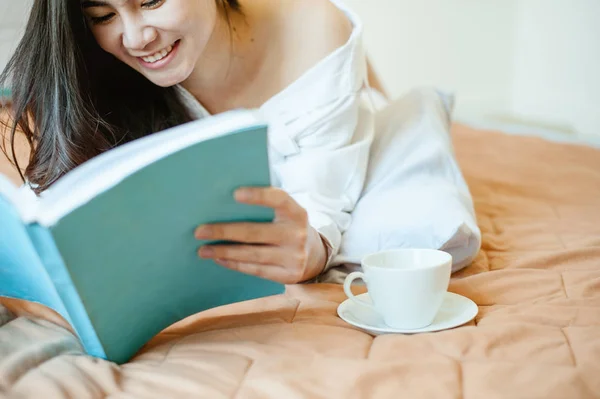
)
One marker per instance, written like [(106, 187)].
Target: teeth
[(158, 56)]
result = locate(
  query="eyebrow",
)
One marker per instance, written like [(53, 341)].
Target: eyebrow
[(93, 3)]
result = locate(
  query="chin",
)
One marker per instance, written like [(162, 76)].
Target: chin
[(169, 78), (164, 82)]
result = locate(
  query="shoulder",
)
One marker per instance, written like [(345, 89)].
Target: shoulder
[(310, 31), (320, 23)]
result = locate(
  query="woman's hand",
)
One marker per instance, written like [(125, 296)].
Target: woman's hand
[(288, 250)]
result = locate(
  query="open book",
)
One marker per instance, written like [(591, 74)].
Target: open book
[(110, 246)]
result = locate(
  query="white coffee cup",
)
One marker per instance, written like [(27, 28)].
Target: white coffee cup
[(407, 286)]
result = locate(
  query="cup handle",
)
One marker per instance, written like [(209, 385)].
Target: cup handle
[(348, 288)]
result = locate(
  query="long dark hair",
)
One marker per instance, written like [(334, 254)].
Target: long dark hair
[(72, 100)]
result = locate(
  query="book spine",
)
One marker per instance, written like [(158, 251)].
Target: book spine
[(51, 258)]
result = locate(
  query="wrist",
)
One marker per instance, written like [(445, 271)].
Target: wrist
[(318, 255)]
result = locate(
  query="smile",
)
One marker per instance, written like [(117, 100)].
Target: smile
[(161, 58), (158, 56)]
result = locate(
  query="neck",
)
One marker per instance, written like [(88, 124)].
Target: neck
[(231, 57)]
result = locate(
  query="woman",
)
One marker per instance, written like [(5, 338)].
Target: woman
[(94, 74)]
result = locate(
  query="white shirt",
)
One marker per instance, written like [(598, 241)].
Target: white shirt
[(320, 131)]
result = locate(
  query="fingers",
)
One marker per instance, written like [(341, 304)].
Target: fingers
[(268, 272), (251, 233), (255, 254), (274, 198), (270, 262), (275, 251)]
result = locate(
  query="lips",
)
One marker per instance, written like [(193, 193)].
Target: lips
[(158, 56), (161, 58)]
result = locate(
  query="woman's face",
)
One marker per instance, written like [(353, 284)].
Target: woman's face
[(161, 39)]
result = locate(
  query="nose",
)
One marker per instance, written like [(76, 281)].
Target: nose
[(137, 36)]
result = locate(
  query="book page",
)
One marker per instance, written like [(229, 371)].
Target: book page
[(22, 200), (108, 169)]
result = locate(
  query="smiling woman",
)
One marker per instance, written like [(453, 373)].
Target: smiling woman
[(57, 67), (60, 57), (89, 75), (147, 36)]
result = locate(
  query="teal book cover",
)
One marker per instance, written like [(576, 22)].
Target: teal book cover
[(112, 249)]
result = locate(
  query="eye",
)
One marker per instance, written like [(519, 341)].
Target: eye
[(153, 4), (102, 20)]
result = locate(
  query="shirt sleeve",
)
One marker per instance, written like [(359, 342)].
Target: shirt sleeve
[(327, 173), (320, 133), (321, 147)]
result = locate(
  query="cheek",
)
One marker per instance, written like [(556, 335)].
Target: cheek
[(107, 40), (195, 19)]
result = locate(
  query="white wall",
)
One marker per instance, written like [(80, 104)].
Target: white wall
[(13, 15), (461, 45), (557, 64), (531, 63)]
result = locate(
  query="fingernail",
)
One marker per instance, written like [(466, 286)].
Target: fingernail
[(242, 195), (203, 232), (206, 252)]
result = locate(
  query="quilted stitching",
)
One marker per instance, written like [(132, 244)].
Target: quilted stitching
[(536, 281)]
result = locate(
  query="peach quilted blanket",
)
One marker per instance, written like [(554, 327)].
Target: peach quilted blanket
[(536, 281)]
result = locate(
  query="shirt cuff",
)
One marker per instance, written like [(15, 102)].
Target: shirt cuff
[(330, 252), (330, 235)]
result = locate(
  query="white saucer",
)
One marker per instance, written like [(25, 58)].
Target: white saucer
[(456, 310)]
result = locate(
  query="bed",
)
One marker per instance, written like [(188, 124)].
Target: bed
[(536, 281)]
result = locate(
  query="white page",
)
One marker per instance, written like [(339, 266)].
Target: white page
[(22, 204), (108, 169)]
